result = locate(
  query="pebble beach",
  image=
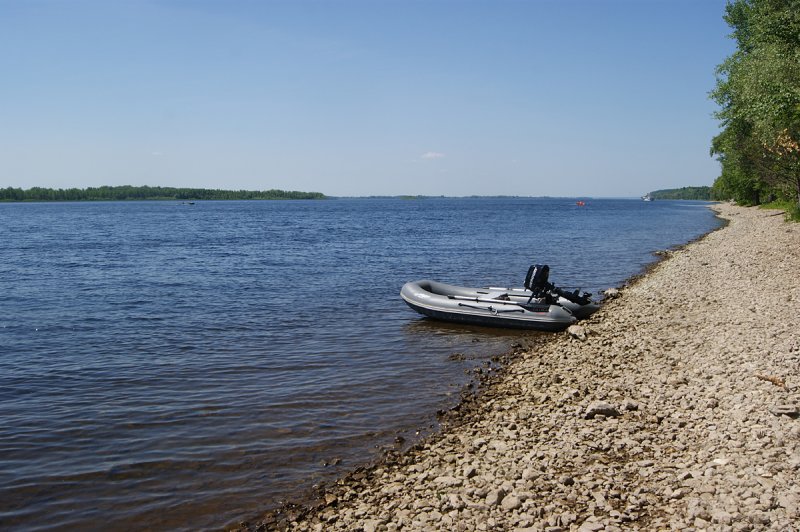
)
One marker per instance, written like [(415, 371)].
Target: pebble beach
[(675, 407)]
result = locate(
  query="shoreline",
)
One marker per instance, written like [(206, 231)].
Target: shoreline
[(665, 416)]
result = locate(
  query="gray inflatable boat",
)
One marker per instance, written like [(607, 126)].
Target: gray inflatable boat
[(483, 307), (539, 305)]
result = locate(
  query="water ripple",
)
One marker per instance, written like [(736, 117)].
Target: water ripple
[(184, 368)]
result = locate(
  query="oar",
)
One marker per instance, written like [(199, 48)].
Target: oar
[(575, 297), (484, 300)]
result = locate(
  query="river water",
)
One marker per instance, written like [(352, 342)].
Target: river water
[(166, 365)]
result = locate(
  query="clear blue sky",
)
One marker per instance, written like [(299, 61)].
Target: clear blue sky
[(568, 97)]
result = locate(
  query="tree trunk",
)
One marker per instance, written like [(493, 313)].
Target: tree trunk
[(797, 189)]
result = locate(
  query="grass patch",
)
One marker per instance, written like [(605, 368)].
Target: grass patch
[(791, 209)]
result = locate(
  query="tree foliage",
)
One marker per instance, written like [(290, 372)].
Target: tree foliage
[(758, 91), (128, 193), (684, 193)]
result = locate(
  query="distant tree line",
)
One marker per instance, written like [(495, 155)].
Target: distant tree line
[(758, 91), (684, 193), (127, 193)]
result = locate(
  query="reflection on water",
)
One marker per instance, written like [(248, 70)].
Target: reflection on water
[(469, 337)]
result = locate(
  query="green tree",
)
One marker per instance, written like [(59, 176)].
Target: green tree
[(758, 90)]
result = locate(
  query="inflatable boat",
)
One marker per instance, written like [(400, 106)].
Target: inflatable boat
[(539, 305), (483, 307)]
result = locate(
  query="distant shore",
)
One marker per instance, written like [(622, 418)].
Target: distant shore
[(147, 193), (678, 410)]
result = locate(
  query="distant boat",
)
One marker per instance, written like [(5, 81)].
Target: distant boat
[(580, 203), (647, 197)]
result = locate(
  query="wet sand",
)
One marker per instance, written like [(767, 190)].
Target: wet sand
[(675, 407)]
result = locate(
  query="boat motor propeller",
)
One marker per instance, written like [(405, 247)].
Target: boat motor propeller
[(575, 296)]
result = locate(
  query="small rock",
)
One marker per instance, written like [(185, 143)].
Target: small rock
[(706, 488), (630, 406), (792, 411), (576, 331), (590, 525), (455, 501), (599, 408), (511, 502), (567, 518), (611, 293), (570, 394), (448, 481), (722, 517), (499, 446), (494, 497), (790, 502)]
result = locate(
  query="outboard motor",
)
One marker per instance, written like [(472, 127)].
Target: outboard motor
[(537, 281), (538, 275)]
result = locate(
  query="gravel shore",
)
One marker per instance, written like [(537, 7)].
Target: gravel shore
[(675, 407)]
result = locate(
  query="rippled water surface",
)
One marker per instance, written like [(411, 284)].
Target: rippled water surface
[(188, 366)]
